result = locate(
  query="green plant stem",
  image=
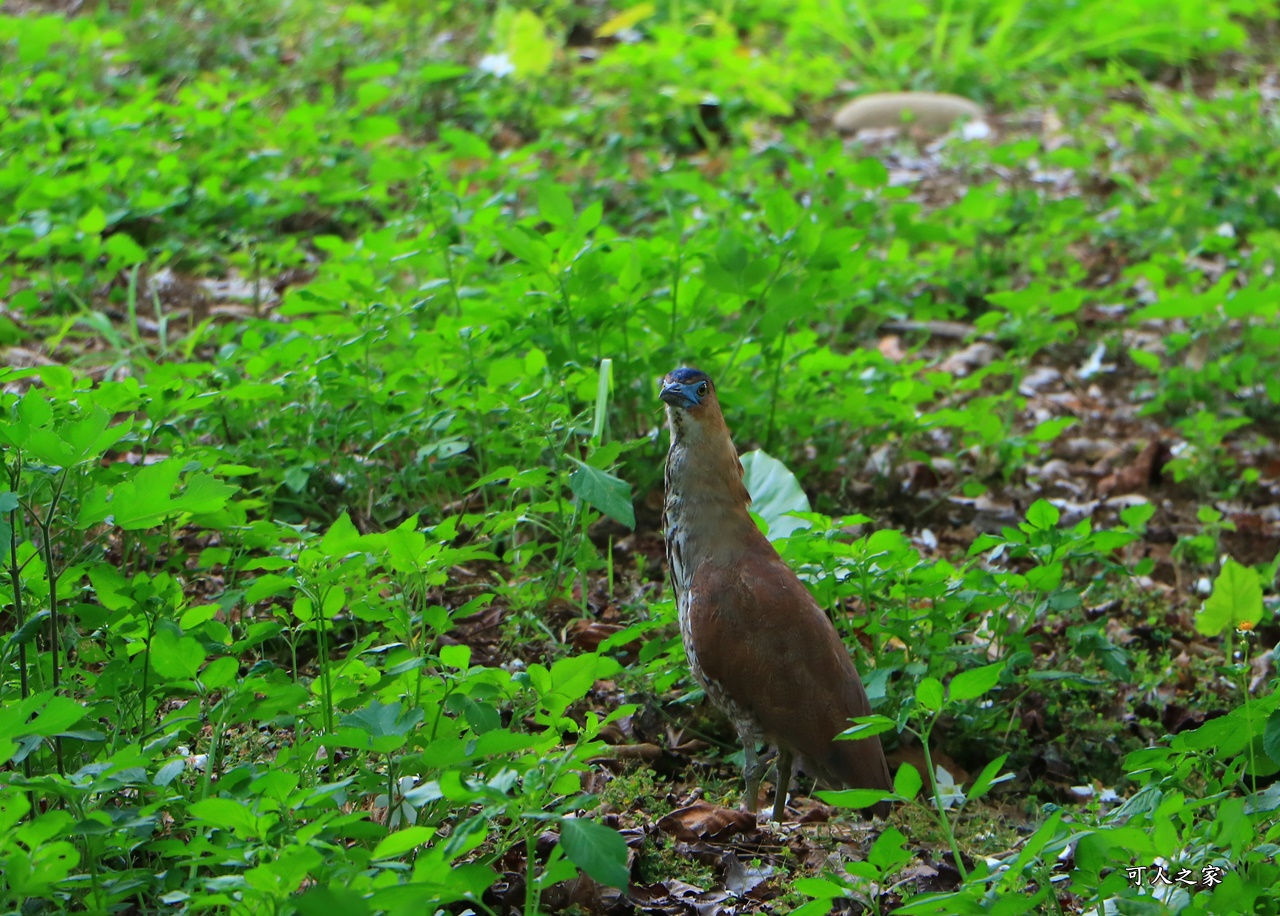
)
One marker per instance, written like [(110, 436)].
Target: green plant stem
[(531, 895), (940, 813), (15, 582), (51, 576)]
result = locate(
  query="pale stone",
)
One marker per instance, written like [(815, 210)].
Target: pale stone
[(930, 112)]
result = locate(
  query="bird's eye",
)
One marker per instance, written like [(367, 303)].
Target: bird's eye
[(702, 390)]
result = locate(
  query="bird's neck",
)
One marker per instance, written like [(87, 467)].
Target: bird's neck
[(705, 511)]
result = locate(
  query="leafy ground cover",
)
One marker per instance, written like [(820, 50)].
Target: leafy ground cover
[(332, 573)]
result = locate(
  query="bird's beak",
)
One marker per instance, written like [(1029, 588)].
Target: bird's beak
[(678, 395)]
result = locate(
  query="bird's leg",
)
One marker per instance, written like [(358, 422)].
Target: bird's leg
[(783, 764), (751, 772)]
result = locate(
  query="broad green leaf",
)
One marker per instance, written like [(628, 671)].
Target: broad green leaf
[(124, 250), (1271, 737), (907, 782), (90, 436), (603, 491), (868, 726), (92, 222), (1043, 515), (383, 720), (457, 657), (853, 798), (528, 44), (1236, 599), (1045, 578), (599, 851), (775, 492), (332, 900), (526, 246), (890, 851), (554, 204), (52, 715), (1052, 429), (929, 693), (440, 72), (968, 685), (1145, 360), (403, 841), (204, 495), (570, 678), (1136, 516), (175, 658), (869, 173), (220, 673), (151, 497), (225, 813), (342, 538)]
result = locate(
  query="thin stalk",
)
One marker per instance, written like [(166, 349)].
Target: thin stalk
[(15, 581), (51, 576), (943, 820)]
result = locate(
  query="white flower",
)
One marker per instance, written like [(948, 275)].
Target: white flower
[(496, 64)]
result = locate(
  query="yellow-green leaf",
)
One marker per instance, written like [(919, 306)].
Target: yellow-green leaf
[(1236, 600)]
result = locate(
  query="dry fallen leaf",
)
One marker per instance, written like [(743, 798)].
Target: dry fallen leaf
[(703, 821)]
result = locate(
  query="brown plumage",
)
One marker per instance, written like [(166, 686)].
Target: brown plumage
[(757, 641)]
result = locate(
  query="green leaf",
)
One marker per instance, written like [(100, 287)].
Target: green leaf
[(571, 677), (148, 500), (1136, 516), (867, 726), (440, 72), (124, 249), (596, 849), (342, 538), (907, 782), (384, 720), (869, 173), (1052, 429), (603, 491), (90, 436), (987, 777), (403, 841), (853, 798), (526, 246), (1236, 599), (1271, 737), (528, 44), (1045, 578), (92, 222), (457, 657), (775, 492), (56, 716), (968, 685), (26, 633), (929, 693), (1145, 360), (554, 204), (175, 658), (1035, 843), (225, 813), (1043, 515), (220, 673)]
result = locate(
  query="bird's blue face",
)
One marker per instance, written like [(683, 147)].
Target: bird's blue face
[(685, 388)]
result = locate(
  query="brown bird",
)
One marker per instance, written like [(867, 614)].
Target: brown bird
[(757, 641)]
